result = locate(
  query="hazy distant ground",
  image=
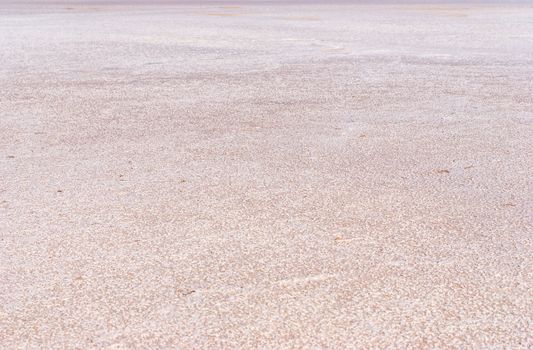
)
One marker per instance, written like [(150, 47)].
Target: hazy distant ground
[(238, 176)]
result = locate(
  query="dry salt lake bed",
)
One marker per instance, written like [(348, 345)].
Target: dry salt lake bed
[(266, 175)]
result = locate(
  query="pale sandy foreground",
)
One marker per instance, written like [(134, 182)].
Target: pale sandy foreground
[(266, 176)]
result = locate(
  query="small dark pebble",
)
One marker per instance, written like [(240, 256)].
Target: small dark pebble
[(186, 292)]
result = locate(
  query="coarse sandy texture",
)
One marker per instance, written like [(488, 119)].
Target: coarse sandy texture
[(273, 176)]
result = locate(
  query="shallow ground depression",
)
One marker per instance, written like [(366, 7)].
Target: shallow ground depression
[(276, 176)]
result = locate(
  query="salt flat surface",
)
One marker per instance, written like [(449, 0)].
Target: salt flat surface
[(223, 176)]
